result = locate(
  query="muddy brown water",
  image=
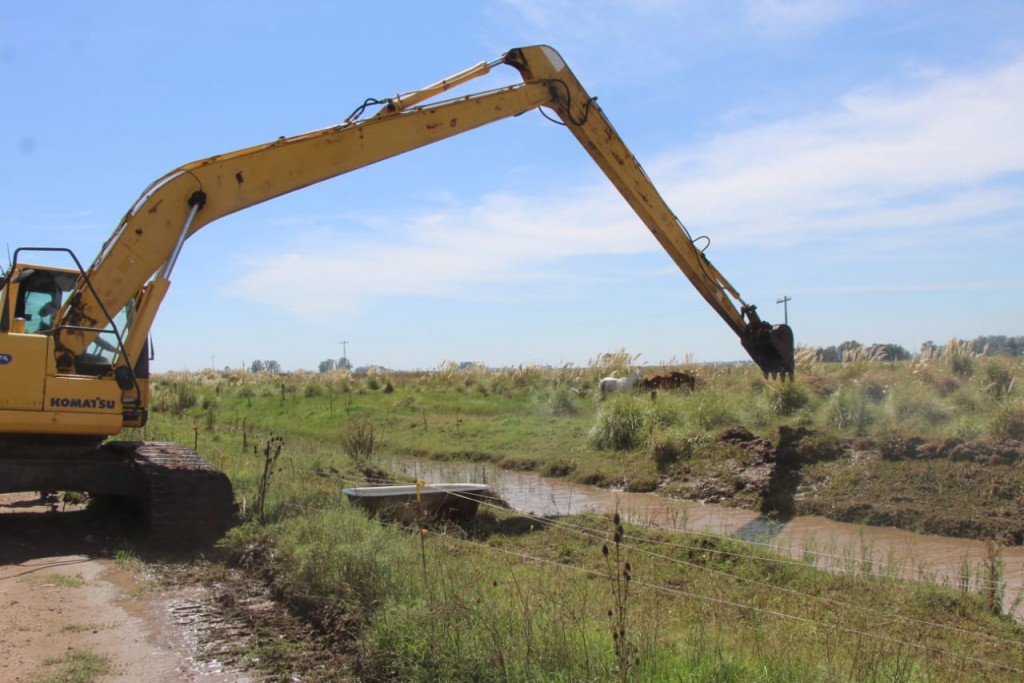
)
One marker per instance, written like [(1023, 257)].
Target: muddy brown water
[(830, 545)]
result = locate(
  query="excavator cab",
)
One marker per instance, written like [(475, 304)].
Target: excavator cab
[(95, 394), (36, 293), (32, 295)]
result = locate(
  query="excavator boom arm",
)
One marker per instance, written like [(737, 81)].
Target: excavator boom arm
[(136, 262), (770, 346)]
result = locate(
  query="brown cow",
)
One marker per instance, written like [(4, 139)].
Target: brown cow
[(672, 380)]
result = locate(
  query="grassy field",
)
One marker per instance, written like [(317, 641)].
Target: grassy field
[(517, 598)]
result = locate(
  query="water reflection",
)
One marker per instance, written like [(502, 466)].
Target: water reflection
[(761, 530)]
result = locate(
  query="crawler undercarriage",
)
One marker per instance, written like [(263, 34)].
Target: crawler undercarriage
[(181, 499)]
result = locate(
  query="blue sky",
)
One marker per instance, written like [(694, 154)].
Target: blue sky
[(864, 158)]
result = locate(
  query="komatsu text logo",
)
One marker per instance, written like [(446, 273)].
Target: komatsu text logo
[(100, 403), (5, 358)]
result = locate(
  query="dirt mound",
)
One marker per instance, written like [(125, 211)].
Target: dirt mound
[(950, 487), (957, 450)]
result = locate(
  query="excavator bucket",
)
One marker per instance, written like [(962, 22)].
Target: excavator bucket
[(771, 347)]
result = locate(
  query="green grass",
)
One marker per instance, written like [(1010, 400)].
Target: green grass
[(59, 580), (80, 666), (517, 599)]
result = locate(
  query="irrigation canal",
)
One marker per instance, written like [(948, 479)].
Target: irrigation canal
[(831, 545)]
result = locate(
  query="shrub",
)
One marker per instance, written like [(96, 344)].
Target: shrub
[(715, 410), (965, 427), (666, 412), (1008, 422), (183, 397), (934, 374), (997, 375), (849, 410), (357, 439), (619, 425), (339, 552), (910, 405), (668, 448), (786, 398), (562, 402), (960, 358), (820, 383)]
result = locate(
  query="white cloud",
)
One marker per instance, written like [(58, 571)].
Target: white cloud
[(796, 16), (882, 160), (450, 252)]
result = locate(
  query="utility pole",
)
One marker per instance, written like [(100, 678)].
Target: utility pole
[(213, 363), (344, 352), (785, 307)]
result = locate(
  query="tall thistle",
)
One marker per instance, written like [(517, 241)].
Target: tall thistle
[(620, 574)]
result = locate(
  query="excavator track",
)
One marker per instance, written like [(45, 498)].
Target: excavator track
[(183, 501), (189, 502)]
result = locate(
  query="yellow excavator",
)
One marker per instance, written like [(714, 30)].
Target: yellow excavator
[(74, 358)]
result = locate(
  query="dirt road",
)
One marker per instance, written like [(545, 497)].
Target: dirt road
[(65, 601)]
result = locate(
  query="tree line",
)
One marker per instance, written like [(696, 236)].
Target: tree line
[(331, 364), (273, 366), (986, 345)]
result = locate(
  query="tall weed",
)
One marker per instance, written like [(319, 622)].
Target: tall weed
[(667, 411), (849, 410), (358, 439), (959, 358), (669, 447), (1008, 422), (271, 453), (997, 376), (785, 398), (715, 409), (912, 408), (563, 401), (491, 620), (338, 551), (620, 424), (183, 396)]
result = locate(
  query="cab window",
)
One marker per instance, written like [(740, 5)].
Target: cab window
[(38, 311), (40, 294)]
